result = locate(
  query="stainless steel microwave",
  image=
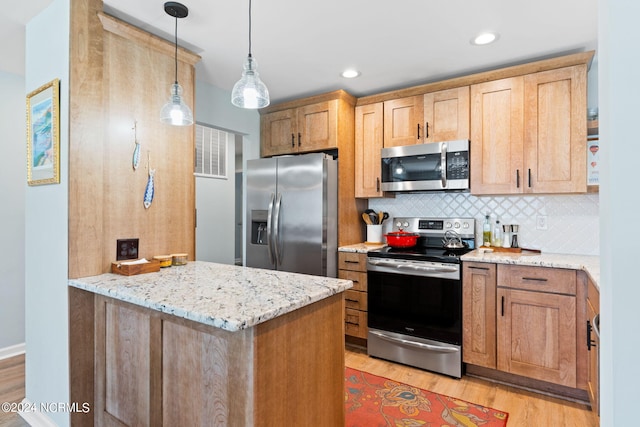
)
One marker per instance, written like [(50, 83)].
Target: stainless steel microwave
[(426, 167)]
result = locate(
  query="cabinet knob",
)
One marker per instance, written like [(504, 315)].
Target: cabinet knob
[(293, 141), (299, 138), (426, 130), (377, 185)]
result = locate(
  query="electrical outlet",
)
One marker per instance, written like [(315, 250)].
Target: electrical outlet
[(127, 249), (541, 222)]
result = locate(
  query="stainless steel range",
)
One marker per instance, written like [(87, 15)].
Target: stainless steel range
[(415, 296)]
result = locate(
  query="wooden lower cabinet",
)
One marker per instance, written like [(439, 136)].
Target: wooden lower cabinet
[(593, 379), (479, 314), (353, 266), (524, 325), (154, 369), (537, 335)]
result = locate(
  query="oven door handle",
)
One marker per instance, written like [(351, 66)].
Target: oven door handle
[(383, 263), (429, 269), (409, 343)]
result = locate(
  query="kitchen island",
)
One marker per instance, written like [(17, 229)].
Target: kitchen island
[(208, 344)]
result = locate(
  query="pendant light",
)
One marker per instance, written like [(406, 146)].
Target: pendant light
[(249, 91), (175, 111)]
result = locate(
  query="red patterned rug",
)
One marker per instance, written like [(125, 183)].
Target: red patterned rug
[(373, 401)]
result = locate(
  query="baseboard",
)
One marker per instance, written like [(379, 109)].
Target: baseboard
[(11, 351), (35, 418)]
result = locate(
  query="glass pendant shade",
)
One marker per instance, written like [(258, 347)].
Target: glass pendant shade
[(249, 91), (175, 112)]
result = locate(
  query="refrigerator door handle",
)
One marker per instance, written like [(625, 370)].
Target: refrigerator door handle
[(276, 229), (270, 229)]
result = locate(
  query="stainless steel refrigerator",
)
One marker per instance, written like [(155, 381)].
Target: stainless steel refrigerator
[(292, 214)]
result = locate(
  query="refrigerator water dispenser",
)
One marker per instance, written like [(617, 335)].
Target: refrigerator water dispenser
[(259, 227)]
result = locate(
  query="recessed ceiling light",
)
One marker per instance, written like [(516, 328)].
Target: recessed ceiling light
[(484, 38), (350, 73)]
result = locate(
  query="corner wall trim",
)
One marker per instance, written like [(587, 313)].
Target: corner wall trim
[(11, 351), (35, 418)]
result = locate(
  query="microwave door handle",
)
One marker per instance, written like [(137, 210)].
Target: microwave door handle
[(443, 164)]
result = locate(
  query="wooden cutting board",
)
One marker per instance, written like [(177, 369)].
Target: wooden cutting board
[(510, 250)]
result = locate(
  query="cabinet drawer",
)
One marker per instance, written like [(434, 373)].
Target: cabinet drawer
[(540, 279), (358, 278), (355, 323), (355, 299), (352, 261)]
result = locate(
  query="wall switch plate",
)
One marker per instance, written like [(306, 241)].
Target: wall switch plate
[(541, 222), (127, 249)]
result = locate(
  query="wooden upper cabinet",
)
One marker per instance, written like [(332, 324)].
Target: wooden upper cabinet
[(446, 115), (497, 136), (368, 143), (555, 136), (278, 132), (304, 129), (318, 126), (403, 121), (528, 134)]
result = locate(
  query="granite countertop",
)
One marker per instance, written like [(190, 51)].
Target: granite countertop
[(224, 296), (361, 247), (588, 263)]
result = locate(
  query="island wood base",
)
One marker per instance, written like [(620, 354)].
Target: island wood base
[(154, 369)]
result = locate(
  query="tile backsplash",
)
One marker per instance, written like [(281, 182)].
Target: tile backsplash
[(572, 220)]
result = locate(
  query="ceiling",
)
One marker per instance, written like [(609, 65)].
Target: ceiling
[(302, 47)]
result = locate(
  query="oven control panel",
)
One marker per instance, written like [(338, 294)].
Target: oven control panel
[(463, 226)]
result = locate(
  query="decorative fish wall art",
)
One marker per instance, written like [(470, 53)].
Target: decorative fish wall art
[(149, 190), (135, 161)]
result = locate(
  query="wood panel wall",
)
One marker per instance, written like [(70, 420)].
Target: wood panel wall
[(120, 78)]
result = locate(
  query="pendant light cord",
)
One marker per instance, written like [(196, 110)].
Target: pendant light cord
[(176, 54), (249, 28)]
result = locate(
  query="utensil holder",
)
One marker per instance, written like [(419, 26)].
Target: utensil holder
[(374, 233)]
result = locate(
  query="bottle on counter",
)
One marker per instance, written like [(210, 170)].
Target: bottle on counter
[(506, 234), (496, 238), (486, 231)]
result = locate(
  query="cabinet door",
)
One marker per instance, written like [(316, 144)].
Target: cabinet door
[(593, 388), (497, 136), (555, 138), (403, 121), (318, 126), (446, 115), (537, 335), (479, 314), (368, 143), (278, 133)]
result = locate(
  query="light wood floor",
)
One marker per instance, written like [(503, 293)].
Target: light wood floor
[(526, 409), (12, 389)]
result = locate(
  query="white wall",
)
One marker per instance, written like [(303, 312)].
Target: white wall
[(619, 92), (215, 203), (13, 178), (213, 107), (46, 217)]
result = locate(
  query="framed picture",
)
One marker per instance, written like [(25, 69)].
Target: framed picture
[(43, 135)]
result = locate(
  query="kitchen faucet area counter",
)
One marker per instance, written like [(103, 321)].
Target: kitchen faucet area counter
[(224, 296), (201, 342)]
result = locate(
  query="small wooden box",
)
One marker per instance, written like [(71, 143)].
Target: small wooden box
[(132, 269)]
